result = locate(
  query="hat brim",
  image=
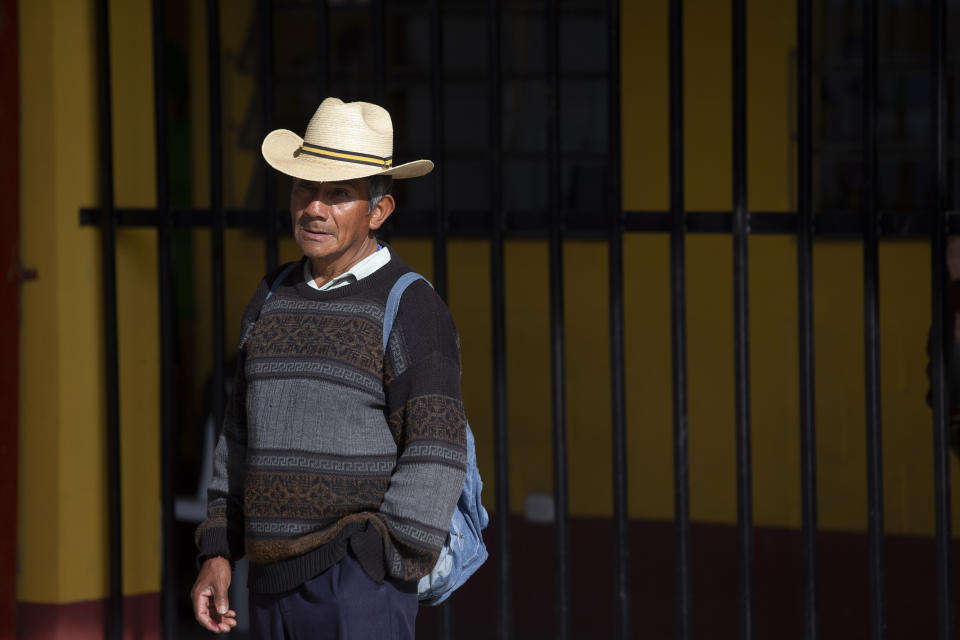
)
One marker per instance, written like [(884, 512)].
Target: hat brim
[(281, 150)]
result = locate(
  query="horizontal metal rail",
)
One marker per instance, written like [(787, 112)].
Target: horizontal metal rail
[(526, 224)]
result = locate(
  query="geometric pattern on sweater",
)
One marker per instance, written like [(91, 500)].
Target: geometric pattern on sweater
[(267, 528), (415, 533), (368, 310), (428, 451), (432, 416), (293, 459), (331, 371), (327, 436), (348, 340), (302, 496)]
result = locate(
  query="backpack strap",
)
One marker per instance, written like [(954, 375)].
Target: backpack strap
[(393, 301), (280, 278), (276, 283)]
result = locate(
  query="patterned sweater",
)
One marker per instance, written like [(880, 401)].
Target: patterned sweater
[(329, 442)]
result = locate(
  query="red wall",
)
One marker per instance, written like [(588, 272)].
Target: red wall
[(778, 583)]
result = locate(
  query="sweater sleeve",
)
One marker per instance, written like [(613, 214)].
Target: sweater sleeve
[(221, 534), (427, 419)]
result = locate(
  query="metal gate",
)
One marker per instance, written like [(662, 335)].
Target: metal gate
[(553, 222)]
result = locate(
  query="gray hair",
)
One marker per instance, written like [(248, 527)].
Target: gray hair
[(377, 187)]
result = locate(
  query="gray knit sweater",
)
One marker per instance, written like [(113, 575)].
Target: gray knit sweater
[(329, 443)]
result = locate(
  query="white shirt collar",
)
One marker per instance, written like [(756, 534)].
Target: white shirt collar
[(358, 271)]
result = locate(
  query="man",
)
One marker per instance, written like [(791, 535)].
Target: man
[(339, 463)]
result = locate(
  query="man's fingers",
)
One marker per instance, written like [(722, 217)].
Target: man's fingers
[(220, 597), (226, 621), (201, 609)]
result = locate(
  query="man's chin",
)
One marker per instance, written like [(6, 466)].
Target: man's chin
[(316, 248), (317, 256)]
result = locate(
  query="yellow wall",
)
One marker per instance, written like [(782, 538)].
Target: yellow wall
[(61, 480), (62, 540), (38, 518)]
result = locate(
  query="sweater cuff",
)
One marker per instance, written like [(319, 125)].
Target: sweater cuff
[(201, 559), (217, 541)]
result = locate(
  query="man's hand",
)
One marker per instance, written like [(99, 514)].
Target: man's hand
[(209, 596)]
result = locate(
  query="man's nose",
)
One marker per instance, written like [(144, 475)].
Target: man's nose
[(317, 208)]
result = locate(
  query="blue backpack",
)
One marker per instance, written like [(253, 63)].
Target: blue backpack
[(463, 552)]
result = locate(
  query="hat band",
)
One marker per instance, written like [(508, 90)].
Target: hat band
[(346, 156)]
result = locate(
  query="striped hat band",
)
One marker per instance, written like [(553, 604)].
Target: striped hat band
[(346, 156)]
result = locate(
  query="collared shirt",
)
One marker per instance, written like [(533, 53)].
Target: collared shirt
[(357, 272)]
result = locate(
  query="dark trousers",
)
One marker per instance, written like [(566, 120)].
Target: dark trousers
[(342, 603)]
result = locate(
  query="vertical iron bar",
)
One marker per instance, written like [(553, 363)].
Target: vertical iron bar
[(217, 217), (265, 23), (558, 356), (678, 319), (618, 403), (440, 207), (108, 255), (938, 380), (498, 324), (323, 60), (165, 285), (808, 448), (439, 191), (741, 230), (871, 323), (378, 33)]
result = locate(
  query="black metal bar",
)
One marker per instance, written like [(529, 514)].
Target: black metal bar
[(524, 224), (871, 324), (108, 256), (265, 24), (808, 448), (557, 347), (741, 225), (678, 320), (378, 32), (498, 324), (618, 403), (217, 217), (938, 354), (323, 59), (165, 287), (439, 190), (440, 206)]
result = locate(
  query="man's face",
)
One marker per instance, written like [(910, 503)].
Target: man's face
[(330, 220)]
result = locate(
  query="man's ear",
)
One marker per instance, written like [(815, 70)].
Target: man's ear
[(381, 212)]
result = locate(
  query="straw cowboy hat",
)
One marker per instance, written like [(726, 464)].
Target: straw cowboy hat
[(343, 141)]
